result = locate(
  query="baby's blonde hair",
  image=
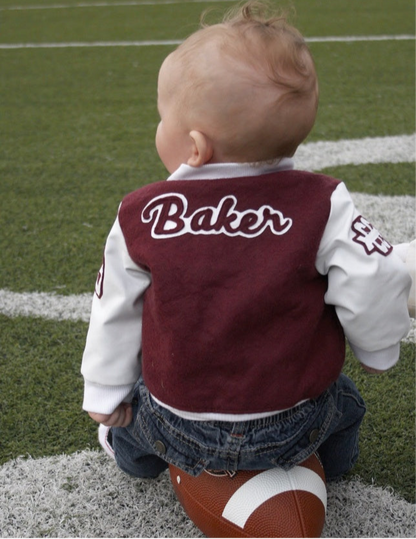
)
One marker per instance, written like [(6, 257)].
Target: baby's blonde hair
[(267, 92)]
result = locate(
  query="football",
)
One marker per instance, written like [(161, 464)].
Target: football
[(269, 503)]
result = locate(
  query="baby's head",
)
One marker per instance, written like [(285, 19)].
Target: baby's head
[(244, 90)]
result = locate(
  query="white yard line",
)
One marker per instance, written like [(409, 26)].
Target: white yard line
[(320, 155), (154, 43), (350, 39), (89, 44), (46, 305), (109, 4), (85, 495)]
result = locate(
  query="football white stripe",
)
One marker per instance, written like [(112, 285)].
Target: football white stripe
[(267, 484)]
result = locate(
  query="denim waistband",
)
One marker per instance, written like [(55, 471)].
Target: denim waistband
[(262, 421), (243, 425)]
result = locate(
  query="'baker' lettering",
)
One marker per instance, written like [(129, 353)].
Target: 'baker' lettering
[(168, 215)]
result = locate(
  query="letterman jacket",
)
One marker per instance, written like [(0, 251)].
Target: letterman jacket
[(231, 289)]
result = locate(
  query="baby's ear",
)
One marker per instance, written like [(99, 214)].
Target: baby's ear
[(202, 149)]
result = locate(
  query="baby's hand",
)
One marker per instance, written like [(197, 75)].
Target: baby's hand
[(121, 417), (371, 370)]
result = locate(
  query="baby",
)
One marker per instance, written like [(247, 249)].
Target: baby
[(217, 332)]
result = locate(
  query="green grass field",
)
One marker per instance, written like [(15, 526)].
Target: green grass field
[(77, 134)]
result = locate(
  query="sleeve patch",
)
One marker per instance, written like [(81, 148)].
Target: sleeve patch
[(369, 237)]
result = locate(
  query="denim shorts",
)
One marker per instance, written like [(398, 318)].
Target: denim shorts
[(157, 437)]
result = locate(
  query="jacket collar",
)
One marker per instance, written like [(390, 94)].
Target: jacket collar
[(218, 171)]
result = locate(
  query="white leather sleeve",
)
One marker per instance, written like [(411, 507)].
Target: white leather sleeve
[(111, 360), (367, 283)]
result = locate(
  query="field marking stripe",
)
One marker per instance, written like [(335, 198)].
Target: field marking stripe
[(46, 305), (369, 150), (155, 43), (89, 44), (69, 496), (348, 39), (265, 485), (109, 4)]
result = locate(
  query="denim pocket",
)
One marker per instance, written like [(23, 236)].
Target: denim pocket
[(313, 432), (167, 440)]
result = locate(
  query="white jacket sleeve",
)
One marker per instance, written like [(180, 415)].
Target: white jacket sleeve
[(367, 283), (111, 361)]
